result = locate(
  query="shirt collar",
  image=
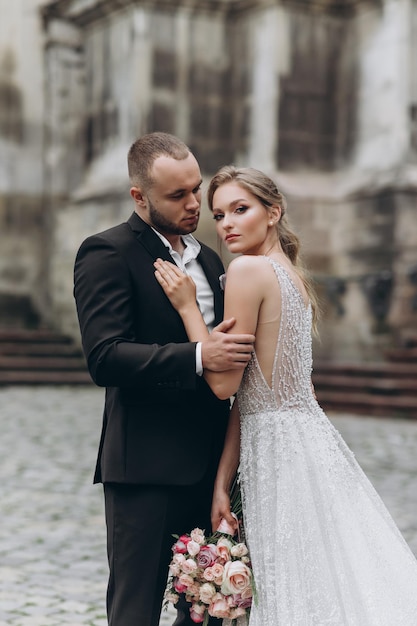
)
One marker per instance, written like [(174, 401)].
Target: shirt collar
[(192, 247)]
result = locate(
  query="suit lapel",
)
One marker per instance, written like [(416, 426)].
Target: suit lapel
[(156, 248), (149, 240), (213, 279)]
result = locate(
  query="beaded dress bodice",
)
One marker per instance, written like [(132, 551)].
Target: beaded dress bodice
[(291, 374), (324, 549)]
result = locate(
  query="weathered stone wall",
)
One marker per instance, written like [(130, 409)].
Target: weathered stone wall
[(320, 94), (141, 68), (352, 185), (314, 93), (24, 219)]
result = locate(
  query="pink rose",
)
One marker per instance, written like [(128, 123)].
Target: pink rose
[(223, 549), (193, 593), (236, 579), (186, 579), (197, 613), (247, 593), (181, 544), (219, 606), (208, 574), (207, 556), (218, 572), (179, 586), (238, 600)]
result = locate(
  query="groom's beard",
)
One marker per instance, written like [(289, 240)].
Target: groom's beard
[(164, 225)]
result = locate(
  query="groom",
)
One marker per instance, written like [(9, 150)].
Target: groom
[(163, 428)]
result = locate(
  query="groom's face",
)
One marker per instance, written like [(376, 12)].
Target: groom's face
[(172, 203)]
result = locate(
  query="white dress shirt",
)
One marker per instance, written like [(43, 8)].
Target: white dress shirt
[(189, 265)]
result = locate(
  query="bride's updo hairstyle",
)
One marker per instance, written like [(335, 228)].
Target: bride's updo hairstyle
[(264, 189)]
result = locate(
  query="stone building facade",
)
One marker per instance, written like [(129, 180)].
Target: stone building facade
[(322, 94), (24, 242)]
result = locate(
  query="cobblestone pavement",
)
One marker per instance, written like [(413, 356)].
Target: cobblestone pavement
[(52, 547)]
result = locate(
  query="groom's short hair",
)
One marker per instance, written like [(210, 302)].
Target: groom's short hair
[(146, 149)]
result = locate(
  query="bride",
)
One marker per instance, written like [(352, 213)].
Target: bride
[(324, 549)]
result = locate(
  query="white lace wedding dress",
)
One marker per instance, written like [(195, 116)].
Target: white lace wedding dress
[(324, 549)]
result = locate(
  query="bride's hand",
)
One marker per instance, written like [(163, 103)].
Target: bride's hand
[(221, 513), (178, 287)]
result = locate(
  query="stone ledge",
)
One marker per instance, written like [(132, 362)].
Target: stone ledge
[(85, 11), (349, 183), (106, 177)]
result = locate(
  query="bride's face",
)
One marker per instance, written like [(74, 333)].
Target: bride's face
[(242, 221)]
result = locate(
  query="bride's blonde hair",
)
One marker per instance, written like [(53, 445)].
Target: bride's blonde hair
[(266, 191)]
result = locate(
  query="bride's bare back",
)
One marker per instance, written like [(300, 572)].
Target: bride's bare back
[(265, 304)]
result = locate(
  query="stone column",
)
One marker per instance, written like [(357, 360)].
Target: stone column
[(64, 151), (65, 108), (386, 150), (270, 60)]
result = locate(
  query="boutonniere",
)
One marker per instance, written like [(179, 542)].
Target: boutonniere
[(222, 281)]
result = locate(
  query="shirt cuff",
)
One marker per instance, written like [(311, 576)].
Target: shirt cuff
[(198, 359)]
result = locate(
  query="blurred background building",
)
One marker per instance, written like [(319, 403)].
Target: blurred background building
[(321, 94)]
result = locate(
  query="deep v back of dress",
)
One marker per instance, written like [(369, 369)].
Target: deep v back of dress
[(324, 549), (290, 384)]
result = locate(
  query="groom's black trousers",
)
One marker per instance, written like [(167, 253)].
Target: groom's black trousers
[(140, 522)]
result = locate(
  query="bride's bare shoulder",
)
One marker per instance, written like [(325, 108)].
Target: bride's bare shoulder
[(248, 263)]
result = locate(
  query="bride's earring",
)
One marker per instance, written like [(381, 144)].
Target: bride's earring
[(271, 223)]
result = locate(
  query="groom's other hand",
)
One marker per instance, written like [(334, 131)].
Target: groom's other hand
[(226, 351)]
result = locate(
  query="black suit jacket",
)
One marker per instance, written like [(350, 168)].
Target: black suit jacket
[(161, 424)]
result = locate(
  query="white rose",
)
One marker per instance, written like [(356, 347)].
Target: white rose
[(193, 548), (174, 569), (178, 559), (197, 535), (172, 597), (239, 550), (207, 593), (189, 566)]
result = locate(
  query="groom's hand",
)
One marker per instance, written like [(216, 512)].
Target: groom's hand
[(226, 351)]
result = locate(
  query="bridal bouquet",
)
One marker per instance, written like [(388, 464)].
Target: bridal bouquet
[(214, 573)]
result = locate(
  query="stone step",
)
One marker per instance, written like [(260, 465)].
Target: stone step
[(380, 369), (410, 341), (368, 403), (40, 357), (30, 363), (44, 377), (368, 384), (387, 388), (39, 335), (40, 349), (406, 354)]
